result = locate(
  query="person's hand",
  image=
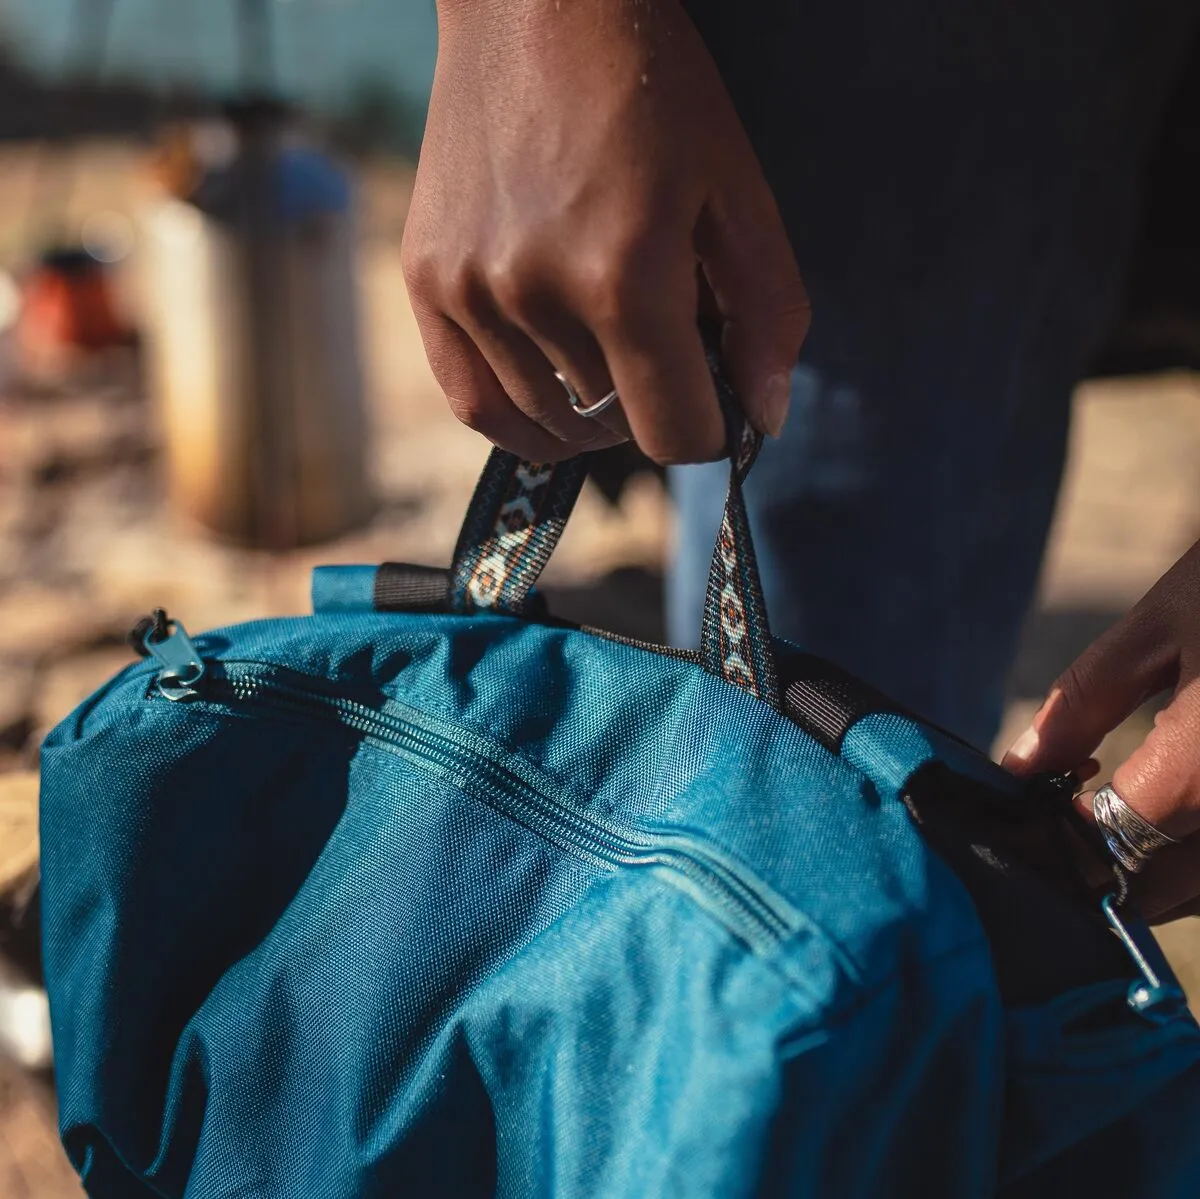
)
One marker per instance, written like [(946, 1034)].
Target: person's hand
[(580, 161), (1155, 648)]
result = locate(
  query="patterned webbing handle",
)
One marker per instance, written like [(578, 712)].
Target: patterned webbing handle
[(517, 515), (735, 636), (513, 523)]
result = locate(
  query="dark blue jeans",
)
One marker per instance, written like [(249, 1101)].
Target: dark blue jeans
[(960, 183)]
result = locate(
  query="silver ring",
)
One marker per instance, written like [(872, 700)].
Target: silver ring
[(1130, 838), (582, 408)]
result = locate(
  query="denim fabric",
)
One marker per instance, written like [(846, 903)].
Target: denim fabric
[(534, 913), (881, 548), (960, 186)]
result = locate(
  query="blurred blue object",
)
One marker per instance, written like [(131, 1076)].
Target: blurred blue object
[(303, 183)]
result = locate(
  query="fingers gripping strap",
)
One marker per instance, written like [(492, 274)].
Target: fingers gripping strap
[(515, 519), (735, 640), (517, 515)]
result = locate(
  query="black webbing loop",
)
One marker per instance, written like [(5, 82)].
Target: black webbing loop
[(824, 700), (404, 587)]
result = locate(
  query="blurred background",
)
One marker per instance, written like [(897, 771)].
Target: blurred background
[(210, 380)]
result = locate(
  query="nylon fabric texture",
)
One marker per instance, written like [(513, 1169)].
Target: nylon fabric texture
[(376, 903), (451, 938)]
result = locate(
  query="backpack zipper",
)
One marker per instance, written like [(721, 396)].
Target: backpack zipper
[(744, 904), (180, 665)]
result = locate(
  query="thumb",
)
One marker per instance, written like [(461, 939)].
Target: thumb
[(749, 265), (1133, 661)]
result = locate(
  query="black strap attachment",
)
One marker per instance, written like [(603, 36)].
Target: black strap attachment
[(406, 587), (825, 700)]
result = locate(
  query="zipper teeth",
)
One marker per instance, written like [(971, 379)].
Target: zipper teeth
[(756, 919)]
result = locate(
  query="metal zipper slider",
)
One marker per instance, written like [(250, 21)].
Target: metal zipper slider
[(1156, 996), (182, 666)]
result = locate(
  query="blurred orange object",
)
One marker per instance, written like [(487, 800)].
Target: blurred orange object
[(67, 308), (176, 164)]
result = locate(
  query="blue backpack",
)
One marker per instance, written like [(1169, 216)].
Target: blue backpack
[(431, 894)]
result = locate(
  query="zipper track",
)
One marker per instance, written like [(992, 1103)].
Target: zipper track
[(744, 904)]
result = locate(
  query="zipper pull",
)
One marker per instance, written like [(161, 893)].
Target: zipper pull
[(1156, 996), (182, 666)]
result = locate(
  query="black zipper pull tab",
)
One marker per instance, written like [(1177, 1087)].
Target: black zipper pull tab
[(167, 641)]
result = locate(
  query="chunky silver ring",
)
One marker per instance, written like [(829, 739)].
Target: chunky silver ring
[(582, 408), (1130, 838)]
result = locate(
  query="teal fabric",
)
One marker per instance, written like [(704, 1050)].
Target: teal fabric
[(469, 905), (343, 588)]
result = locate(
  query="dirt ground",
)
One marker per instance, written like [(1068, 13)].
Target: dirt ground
[(87, 543)]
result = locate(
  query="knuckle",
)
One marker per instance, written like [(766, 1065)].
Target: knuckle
[(615, 285), (464, 290), (616, 302), (419, 266), (511, 280), (495, 420), (471, 409), (1073, 686)]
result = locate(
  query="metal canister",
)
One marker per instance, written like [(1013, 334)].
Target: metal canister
[(253, 338)]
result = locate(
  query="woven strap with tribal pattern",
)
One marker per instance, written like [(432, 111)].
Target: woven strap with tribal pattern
[(735, 638), (514, 521), (517, 515)]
